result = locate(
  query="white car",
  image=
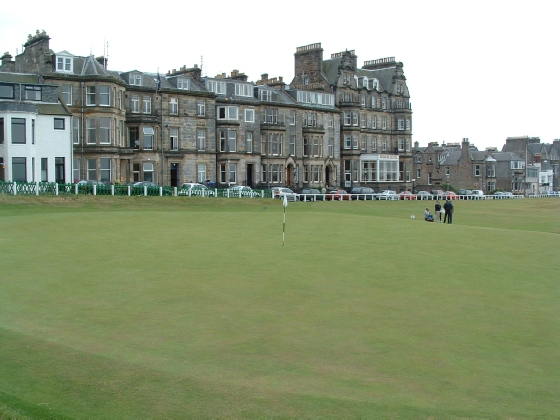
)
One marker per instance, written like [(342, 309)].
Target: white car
[(387, 195), (477, 194), (281, 192), (195, 189), (242, 191)]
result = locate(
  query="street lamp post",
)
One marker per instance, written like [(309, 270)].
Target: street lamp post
[(447, 176)]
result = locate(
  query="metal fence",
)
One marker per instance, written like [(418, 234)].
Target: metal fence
[(51, 188)]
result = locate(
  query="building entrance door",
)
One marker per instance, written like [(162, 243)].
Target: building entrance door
[(173, 174), (249, 181)]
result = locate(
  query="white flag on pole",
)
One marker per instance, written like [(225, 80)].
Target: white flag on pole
[(285, 201)]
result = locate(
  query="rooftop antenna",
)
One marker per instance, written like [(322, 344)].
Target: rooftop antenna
[(201, 63), (107, 56)]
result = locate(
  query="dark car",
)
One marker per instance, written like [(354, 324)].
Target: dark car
[(311, 194), (362, 193)]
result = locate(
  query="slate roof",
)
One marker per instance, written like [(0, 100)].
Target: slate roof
[(452, 158), (506, 156), (36, 108), (384, 75)]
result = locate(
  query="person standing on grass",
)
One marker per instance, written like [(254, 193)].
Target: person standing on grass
[(448, 207), (438, 212)]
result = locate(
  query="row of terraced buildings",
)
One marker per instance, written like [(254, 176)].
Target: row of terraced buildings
[(335, 125)]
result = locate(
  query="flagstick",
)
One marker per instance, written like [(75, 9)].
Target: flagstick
[(284, 226)]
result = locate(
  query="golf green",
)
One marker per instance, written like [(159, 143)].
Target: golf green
[(165, 307)]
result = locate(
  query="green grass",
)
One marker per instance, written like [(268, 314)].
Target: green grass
[(133, 307)]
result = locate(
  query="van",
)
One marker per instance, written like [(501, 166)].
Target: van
[(478, 194)]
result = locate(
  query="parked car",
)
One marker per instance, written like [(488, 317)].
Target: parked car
[(139, 184), (387, 195), (465, 192), (281, 192), (311, 194), (552, 194), (407, 195), (451, 195), (424, 195), (243, 191), (362, 193), (438, 193), (196, 189), (338, 195), (477, 194)]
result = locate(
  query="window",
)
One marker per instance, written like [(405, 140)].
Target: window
[(104, 95), (147, 105), (182, 83), (265, 95), (355, 118), (364, 143), (148, 169), (91, 129), (347, 141), (120, 99), (347, 118), (408, 124), (59, 123), (228, 172), (173, 106), (67, 94), (76, 169), (263, 174), (363, 121), (135, 101), (271, 115), (19, 169), (223, 139), (517, 164), (90, 95), (276, 144), (400, 124), (218, 88), (383, 104), (44, 170), (148, 140), (33, 93), (75, 130), (201, 139), (311, 119), (64, 64), (292, 145), (429, 178), (354, 141), (249, 141), (374, 121), (227, 113), (18, 131), (232, 140), (276, 173), (200, 108), (105, 130), (250, 115), (121, 133), (105, 169), (92, 169), (6, 91), (135, 79), (384, 144), (136, 172), (201, 171), (330, 121), (374, 144), (384, 123), (331, 147), (244, 90), (373, 103), (1, 131), (401, 144), (174, 138), (292, 117), (476, 170)]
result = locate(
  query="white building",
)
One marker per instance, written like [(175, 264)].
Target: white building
[(35, 131)]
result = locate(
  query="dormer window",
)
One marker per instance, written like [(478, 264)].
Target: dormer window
[(365, 82), (135, 79), (346, 79), (183, 84), (265, 95), (243, 90), (218, 88), (64, 64)]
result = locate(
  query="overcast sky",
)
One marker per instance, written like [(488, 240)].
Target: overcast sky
[(484, 70)]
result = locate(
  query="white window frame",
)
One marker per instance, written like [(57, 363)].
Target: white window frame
[(201, 139), (174, 106), (135, 104), (219, 88), (249, 141), (182, 83), (243, 89), (67, 94), (250, 115), (147, 104), (64, 64), (135, 79), (201, 108), (104, 95), (90, 95), (174, 138), (230, 113), (105, 130)]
